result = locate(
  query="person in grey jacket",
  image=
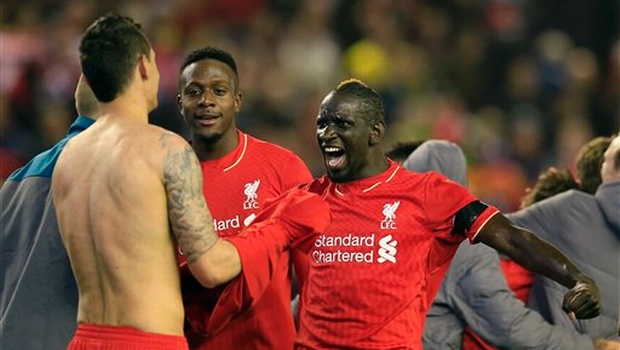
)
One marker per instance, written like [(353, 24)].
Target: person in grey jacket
[(587, 228), (38, 294), (474, 292)]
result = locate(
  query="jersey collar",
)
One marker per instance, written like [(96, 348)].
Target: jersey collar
[(232, 159), (367, 184)]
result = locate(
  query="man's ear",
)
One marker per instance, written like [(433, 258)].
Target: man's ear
[(238, 102), (179, 103), (377, 130), (142, 67)]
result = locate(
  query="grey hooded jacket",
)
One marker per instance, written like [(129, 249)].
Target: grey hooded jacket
[(587, 229), (38, 295)]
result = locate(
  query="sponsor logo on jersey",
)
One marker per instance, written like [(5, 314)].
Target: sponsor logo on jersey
[(225, 224), (357, 249), (251, 198), (248, 220), (387, 249), (389, 213)]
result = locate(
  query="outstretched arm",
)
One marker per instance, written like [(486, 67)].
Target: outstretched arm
[(537, 255)]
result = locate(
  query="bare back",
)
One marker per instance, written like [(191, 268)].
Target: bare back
[(111, 202)]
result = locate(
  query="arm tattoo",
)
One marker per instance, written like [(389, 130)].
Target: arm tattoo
[(189, 216)]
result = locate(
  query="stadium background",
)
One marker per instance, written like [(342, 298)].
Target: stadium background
[(519, 84)]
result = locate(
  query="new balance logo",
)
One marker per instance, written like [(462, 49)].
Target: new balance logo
[(249, 190), (387, 249), (389, 211)]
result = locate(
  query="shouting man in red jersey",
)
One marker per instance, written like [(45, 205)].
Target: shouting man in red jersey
[(378, 266)]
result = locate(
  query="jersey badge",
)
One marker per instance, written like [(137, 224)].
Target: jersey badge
[(250, 189), (389, 213)]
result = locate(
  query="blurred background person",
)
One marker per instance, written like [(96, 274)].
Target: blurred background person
[(587, 227), (519, 85)]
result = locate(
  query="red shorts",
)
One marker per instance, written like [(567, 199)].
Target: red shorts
[(91, 337)]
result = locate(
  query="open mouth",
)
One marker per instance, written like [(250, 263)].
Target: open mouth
[(335, 157)]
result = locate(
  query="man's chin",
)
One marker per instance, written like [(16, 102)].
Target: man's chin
[(337, 175), (211, 137)]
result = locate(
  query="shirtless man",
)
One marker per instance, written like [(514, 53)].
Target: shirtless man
[(126, 193)]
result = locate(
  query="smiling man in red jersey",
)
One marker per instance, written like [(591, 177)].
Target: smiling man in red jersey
[(377, 268), (240, 174)]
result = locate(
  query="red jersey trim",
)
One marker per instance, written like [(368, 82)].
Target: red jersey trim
[(245, 147), (393, 174), (482, 220), (373, 186)]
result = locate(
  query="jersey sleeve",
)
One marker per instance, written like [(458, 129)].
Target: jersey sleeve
[(443, 199), (294, 173), (479, 223)]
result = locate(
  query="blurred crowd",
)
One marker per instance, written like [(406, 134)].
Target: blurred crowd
[(519, 84)]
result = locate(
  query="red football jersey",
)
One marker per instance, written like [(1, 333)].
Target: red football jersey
[(377, 268), (235, 187)]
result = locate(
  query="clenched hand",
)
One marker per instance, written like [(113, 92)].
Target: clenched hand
[(583, 300)]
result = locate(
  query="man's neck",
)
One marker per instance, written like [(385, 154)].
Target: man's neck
[(210, 150), (127, 107), (377, 164)]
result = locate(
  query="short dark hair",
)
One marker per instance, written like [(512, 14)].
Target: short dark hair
[(214, 53), (402, 149), (108, 54), (550, 182), (589, 161), (371, 102)]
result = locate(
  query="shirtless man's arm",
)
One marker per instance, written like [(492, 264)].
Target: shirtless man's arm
[(211, 260)]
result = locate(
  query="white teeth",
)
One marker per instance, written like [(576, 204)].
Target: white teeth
[(331, 149)]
